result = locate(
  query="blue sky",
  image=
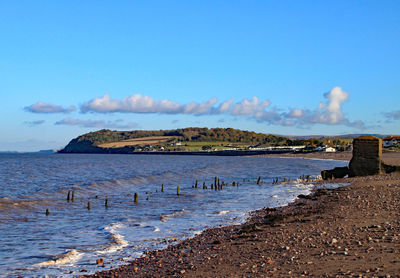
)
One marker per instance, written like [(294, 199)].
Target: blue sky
[(282, 67)]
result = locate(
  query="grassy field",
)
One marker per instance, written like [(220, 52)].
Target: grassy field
[(196, 146), (166, 142), (139, 142)]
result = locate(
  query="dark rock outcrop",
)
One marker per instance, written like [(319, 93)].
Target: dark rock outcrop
[(336, 173)]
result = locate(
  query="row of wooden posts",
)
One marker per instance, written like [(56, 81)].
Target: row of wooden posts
[(217, 186)]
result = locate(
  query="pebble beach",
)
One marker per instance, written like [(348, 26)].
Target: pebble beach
[(351, 231)]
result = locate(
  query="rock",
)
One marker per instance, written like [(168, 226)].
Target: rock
[(337, 173)]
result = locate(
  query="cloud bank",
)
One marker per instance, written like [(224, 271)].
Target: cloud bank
[(47, 108), (328, 112), (117, 124)]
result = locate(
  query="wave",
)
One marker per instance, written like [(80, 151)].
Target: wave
[(63, 259), (164, 218), (117, 240)]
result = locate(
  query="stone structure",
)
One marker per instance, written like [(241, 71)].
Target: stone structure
[(367, 160), (367, 156)]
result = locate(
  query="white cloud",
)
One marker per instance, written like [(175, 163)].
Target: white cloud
[(331, 112), (225, 106), (250, 107), (200, 108), (42, 107), (131, 104), (118, 124), (327, 113), (296, 113)]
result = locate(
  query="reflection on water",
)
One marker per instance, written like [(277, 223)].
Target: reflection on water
[(72, 237)]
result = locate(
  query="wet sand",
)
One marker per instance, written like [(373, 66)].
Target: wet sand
[(352, 231)]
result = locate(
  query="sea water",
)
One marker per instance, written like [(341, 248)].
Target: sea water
[(71, 237)]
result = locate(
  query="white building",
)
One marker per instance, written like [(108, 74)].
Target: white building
[(330, 150), (391, 141)]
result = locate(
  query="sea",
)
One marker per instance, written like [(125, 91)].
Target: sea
[(68, 239)]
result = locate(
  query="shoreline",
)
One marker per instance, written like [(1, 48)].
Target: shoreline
[(348, 236)]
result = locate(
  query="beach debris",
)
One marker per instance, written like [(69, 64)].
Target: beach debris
[(88, 205), (47, 212), (162, 188), (100, 262), (259, 180), (177, 191), (106, 203), (135, 198)]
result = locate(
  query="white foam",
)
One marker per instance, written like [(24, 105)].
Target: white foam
[(156, 229), (164, 218), (118, 241), (222, 212), (67, 258)]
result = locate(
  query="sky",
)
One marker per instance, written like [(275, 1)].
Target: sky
[(280, 67)]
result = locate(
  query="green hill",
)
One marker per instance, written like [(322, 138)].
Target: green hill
[(186, 139)]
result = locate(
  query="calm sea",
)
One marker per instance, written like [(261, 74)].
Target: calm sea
[(72, 236)]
